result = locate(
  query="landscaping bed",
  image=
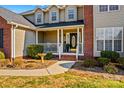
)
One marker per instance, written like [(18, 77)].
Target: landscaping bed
[(26, 64), (78, 66)]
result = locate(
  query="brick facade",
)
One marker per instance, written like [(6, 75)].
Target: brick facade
[(88, 31), (6, 38)]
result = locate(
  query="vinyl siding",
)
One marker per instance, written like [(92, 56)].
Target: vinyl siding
[(107, 19)]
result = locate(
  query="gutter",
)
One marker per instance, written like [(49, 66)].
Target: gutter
[(13, 23)]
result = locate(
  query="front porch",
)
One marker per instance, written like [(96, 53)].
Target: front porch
[(62, 41)]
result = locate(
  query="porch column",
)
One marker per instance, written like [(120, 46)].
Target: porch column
[(36, 37), (77, 52), (61, 40), (58, 48), (82, 40)]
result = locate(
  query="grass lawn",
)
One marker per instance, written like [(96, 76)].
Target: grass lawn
[(71, 79)]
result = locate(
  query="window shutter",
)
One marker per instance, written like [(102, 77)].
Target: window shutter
[(1, 38)]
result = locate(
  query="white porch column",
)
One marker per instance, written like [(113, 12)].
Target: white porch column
[(77, 52), (13, 29), (61, 40), (36, 37), (58, 47), (82, 40)]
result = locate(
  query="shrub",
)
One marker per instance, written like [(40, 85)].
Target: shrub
[(33, 50), (110, 69), (121, 61), (89, 62), (103, 61), (49, 56), (2, 55), (110, 54)]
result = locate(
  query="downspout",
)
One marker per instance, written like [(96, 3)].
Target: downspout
[(13, 42)]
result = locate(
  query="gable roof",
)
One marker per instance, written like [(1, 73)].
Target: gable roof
[(43, 9), (15, 18)]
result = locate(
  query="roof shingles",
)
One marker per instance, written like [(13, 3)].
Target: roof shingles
[(13, 17)]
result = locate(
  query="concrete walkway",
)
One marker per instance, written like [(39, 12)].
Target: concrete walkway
[(57, 68)]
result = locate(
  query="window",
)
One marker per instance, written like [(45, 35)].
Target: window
[(71, 14), (118, 39), (1, 38), (103, 8), (38, 18), (107, 8), (100, 39), (113, 7), (54, 16), (109, 38)]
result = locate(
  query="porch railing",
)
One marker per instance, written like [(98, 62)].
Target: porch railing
[(57, 48), (49, 47)]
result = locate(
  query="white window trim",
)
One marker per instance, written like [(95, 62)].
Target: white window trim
[(108, 9), (57, 16), (51, 16), (112, 39), (42, 17), (75, 14)]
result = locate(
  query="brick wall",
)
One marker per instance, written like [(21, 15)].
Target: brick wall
[(88, 31), (7, 37)]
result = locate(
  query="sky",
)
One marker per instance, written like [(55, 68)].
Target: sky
[(20, 8)]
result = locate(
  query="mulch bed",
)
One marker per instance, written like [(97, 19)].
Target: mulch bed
[(79, 68), (27, 64)]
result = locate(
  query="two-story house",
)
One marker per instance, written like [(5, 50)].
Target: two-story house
[(63, 30)]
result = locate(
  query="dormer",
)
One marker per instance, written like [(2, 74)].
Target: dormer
[(39, 17), (53, 14), (71, 13)]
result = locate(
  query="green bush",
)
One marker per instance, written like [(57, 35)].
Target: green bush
[(110, 55), (89, 63), (103, 61), (48, 56), (2, 55), (33, 50), (121, 61), (111, 69)]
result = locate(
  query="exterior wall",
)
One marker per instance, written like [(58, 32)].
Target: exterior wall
[(31, 17), (88, 31), (62, 15), (7, 37), (107, 19), (80, 13), (50, 37), (23, 38), (40, 37), (46, 17)]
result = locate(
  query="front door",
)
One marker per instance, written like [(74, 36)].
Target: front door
[(73, 40)]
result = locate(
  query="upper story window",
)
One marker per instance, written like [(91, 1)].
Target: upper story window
[(107, 8), (103, 8), (1, 38), (113, 7), (53, 16), (71, 14), (38, 18)]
